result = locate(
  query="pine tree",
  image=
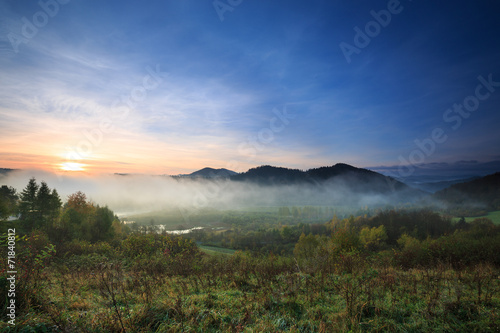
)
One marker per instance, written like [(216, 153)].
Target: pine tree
[(55, 204), (28, 205), (8, 202), (43, 201)]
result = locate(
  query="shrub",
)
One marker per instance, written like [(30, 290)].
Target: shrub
[(373, 239)]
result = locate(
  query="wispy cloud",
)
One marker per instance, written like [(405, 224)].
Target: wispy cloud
[(220, 83)]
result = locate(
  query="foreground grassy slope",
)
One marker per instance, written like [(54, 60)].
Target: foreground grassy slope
[(397, 271), (241, 293)]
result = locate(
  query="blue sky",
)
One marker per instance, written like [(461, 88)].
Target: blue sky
[(219, 84)]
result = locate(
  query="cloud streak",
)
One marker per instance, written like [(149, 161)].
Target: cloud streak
[(222, 81)]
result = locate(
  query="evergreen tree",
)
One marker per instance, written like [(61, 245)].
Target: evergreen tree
[(48, 205), (8, 202), (28, 205), (43, 203), (55, 204)]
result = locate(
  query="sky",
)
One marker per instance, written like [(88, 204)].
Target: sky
[(170, 87)]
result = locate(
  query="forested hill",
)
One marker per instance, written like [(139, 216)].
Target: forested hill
[(4, 171), (355, 178), (356, 174), (483, 191), (271, 175), (212, 173)]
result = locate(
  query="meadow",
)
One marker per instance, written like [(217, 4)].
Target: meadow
[(347, 277), (493, 216)]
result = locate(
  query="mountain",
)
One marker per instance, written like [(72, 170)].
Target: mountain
[(483, 191), (4, 172), (356, 179), (271, 175), (210, 173), (431, 185), (354, 175), (433, 177)]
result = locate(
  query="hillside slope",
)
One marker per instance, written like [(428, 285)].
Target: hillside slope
[(484, 192)]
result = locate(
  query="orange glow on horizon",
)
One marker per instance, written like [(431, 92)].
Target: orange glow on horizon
[(72, 166)]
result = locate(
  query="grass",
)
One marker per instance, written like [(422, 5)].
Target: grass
[(493, 216), (214, 250), (255, 295)]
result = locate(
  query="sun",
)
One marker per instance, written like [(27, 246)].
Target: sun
[(72, 166)]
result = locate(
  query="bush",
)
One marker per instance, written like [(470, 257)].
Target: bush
[(143, 244), (461, 249), (175, 252)]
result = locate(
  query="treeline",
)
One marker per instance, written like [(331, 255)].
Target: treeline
[(418, 234), (277, 239), (37, 207), (406, 239), (410, 237), (281, 237)]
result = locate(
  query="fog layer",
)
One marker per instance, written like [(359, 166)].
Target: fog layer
[(128, 194)]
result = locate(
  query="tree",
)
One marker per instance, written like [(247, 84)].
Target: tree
[(373, 239), (481, 227), (120, 229), (76, 216), (83, 220), (306, 247), (101, 224), (28, 205), (78, 202), (287, 234), (39, 205), (8, 202), (345, 238), (462, 224), (284, 211), (43, 203), (55, 204)]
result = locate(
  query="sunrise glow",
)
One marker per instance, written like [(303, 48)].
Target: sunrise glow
[(72, 166), (220, 89)]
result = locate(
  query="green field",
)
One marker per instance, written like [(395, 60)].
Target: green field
[(493, 216), (214, 250)]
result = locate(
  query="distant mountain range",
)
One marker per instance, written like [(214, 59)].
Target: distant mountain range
[(358, 181), (436, 183), (210, 173), (433, 177), (272, 175), (343, 181), (484, 191), (355, 177)]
